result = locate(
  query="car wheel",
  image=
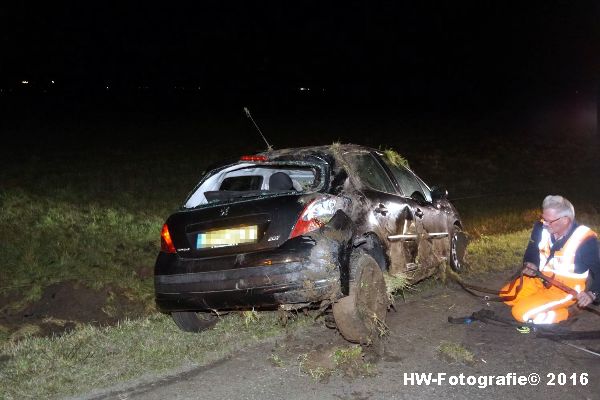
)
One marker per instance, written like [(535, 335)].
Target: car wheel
[(360, 316), (458, 245), (190, 321)]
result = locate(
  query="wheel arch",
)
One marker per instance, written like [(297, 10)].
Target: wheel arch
[(458, 223), (371, 244)]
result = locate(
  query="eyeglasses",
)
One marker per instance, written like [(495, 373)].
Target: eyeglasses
[(546, 222)]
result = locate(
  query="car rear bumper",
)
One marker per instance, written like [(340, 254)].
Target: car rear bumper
[(245, 287), (290, 277)]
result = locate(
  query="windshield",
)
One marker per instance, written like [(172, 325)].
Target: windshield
[(247, 180)]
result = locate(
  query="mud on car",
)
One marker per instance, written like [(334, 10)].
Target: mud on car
[(304, 227)]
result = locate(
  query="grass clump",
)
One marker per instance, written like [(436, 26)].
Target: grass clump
[(276, 360), (251, 317), (91, 357), (455, 353), (379, 326), (350, 361), (343, 361), (394, 283), (395, 158), (318, 373)]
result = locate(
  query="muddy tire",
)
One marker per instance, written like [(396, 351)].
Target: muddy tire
[(360, 316), (458, 248), (190, 321)]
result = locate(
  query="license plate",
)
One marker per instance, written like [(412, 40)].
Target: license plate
[(227, 237)]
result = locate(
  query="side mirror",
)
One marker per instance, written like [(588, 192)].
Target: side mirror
[(438, 193)]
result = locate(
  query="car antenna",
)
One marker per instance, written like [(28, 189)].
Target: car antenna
[(269, 147)]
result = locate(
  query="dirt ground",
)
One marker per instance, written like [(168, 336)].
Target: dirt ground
[(418, 327), (62, 307)]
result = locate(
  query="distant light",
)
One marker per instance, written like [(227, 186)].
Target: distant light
[(25, 82), (52, 82), (199, 88), (302, 89), (107, 88)]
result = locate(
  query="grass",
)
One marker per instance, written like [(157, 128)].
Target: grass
[(395, 284), (350, 361), (276, 360), (44, 241), (497, 252), (395, 158), (342, 361), (92, 357), (455, 353)]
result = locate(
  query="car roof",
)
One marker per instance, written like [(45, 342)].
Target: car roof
[(300, 152), (328, 154)]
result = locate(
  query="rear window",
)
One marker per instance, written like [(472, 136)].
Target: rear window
[(248, 180)]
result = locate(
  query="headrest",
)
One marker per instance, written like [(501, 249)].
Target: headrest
[(280, 181)]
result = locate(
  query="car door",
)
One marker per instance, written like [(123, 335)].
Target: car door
[(433, 239), (383, 211)]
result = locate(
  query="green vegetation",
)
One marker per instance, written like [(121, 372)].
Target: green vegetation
[(276, 360), (497, 252), (92, 357), (251, 317), (342, 361), (350, 361), (455, 353), (44, 241), (395, 284), (508, 215), (319, 373), (395, 159)]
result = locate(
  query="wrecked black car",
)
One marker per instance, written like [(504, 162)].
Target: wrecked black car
[(304, 227)]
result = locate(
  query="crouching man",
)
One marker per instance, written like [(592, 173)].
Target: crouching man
[(561, 249)]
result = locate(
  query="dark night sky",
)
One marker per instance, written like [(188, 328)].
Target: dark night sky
[(472, 48)]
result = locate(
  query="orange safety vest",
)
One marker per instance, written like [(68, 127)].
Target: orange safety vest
[(562, 266), (546, 306)]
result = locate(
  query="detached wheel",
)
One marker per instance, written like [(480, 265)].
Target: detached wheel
[(458, 249), (360, 316), (190, 321)]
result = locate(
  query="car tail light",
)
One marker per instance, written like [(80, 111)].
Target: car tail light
[(254, 158), (166, 244), (316, 214)]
